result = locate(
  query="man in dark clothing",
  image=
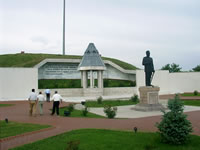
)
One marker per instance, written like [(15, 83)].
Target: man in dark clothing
[(56, 101), (148, 68)]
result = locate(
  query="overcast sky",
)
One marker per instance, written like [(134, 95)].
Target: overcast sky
[(122, 29)]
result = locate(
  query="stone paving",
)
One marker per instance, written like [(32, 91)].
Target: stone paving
[(19, 113)]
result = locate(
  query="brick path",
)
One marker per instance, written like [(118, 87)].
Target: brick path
[(19, 113)]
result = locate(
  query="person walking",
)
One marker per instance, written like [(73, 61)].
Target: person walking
[(32, 103), (41, 100), (56, 101), (48, 94)]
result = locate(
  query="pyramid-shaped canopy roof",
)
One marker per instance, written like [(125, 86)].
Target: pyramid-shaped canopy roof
[(91, 59)]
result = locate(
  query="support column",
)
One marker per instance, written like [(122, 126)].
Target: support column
[(84, 82), (91, 79), (100, 79), (81, 78)]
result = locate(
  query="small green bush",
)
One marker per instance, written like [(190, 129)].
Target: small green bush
[(110, 111), (70, 107), (195, 92), (99, 100), (85, 111), (174, 127), (73, 145), (134, 98)]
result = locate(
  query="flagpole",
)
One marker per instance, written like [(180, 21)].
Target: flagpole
[(63, 27)]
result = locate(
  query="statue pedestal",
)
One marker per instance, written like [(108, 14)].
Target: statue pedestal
[(149, 99)]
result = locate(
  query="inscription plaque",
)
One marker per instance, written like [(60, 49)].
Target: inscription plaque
[(152, 97), (59, 71)]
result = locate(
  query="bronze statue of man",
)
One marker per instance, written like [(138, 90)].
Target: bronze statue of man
[(148, 68)]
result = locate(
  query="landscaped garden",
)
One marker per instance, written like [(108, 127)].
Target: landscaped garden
[(10, 128), (195, 93), (100, 139), (110, 103), (192, 102), (78, 113)]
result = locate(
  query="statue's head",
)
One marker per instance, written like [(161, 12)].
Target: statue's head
[(148, 53)]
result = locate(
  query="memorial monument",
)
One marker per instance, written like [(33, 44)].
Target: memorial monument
[(149, 94), (92, 66)]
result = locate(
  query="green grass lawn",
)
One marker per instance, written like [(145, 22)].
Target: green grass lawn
[(78, 113), (100, 139), (14, 128), (6, 105), (190, 94), (30, 60), (110, 102), (192, 102)]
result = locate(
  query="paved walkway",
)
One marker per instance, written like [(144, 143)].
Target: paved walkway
[(19, 113)]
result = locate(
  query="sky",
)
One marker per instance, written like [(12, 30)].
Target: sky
[(121, 29)]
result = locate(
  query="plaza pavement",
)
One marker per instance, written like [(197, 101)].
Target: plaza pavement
[(129, 112), (144, 121)]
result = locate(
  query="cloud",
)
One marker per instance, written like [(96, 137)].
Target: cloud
[(40, 39), (121, 29)]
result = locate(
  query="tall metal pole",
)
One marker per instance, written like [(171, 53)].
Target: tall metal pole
[(64, 27)]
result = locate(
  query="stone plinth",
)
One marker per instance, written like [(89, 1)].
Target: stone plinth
[(149, 99)]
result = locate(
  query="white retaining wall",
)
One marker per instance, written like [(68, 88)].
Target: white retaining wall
[(16, 83), (171, 83), (69, 92), (120, 91), (79, 92)]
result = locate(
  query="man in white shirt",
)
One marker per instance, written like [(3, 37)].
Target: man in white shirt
[(56, 101), (41, 100), (32, 101)]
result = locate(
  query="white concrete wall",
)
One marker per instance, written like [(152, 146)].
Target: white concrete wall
[(79, 92), (171, 83), (16, 83), (184, 82), (116, 73), (66, 92), (120, 91)]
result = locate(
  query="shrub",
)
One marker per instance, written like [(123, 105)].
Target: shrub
[(134, 98), (67, 113), (70, 108), (195, 93), (73, 145), (99, 100), (85, 111), (110, 111), (174, 127)]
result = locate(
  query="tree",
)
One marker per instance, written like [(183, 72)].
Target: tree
[(166, 67), (174, 127), (196, 69), (172, 68)]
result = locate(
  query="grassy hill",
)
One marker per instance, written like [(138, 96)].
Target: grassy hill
[(30, 60)]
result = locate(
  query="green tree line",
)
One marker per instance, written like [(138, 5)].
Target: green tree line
[(176, 68)]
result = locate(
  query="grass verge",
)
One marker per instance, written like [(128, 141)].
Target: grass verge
[(6, 105), (100, 139), (192, 102), (14, 128), (190, 94), (110, 102), (78, 113)]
